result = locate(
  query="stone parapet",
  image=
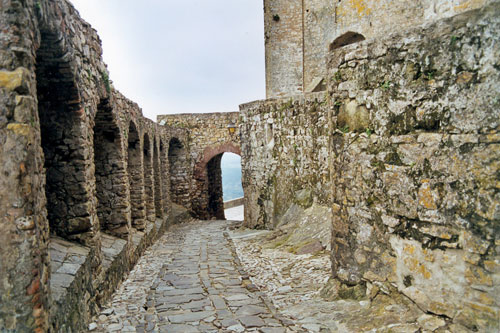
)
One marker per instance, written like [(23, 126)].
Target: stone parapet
[(234, 203)]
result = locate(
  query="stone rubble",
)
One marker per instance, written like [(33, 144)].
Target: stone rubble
[(295, 284)]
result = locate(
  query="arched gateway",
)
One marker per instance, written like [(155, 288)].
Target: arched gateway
[(207, 174), (199, 186)]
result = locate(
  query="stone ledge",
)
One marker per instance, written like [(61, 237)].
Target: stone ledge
[(70, 283), (115, 265), (233, 203)]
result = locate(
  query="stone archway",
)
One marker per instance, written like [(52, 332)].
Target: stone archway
[(158, 190), (207, 196), (164, 176)]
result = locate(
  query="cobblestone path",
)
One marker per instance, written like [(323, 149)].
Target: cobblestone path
[(190, 280)]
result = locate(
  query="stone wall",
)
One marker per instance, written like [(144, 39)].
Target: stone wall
[(83, 172), (403, 147), (407, 140), (210, 136), (284, 156), (297, 44)]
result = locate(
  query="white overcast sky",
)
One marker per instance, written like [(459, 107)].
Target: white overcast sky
[(187, 56)]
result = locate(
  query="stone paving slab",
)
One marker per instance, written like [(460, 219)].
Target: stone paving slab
[(190, 280)]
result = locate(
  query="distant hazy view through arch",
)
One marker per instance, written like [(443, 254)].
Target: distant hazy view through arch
[(231, 176), (231, 183)]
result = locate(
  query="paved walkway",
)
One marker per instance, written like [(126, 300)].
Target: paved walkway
[(190, 281)]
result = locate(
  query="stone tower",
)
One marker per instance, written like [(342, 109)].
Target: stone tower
[(299, 33)]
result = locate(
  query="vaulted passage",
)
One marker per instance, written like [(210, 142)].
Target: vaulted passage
[(110, 173), (148, 180), (215, 206), (136, 178), (60, 125), (179, 187)]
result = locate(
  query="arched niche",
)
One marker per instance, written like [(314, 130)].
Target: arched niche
[(347, 38), (65, 157), (164, 175), (179, 185), (158, 201)]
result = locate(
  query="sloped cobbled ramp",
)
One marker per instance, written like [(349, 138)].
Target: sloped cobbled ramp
[(190, 281)]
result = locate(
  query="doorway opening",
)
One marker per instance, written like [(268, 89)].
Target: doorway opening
[(110, 173), (232, 189), (224, 185)]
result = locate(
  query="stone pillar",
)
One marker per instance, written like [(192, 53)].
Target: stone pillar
[(136, 178), (111, 174), (157, 182), (148, 179)]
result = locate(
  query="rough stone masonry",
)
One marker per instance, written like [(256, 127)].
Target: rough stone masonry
[(87, 182), (396, 135), (403, 146)]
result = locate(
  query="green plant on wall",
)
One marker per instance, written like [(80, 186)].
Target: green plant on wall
[(344, 129), (453, 40), (385, 85), (286, 105), (326, 99), (429, 75), (338, 76), (106, 81)]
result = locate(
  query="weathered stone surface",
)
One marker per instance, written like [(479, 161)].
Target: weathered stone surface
[(251, 321), (400, 152), (300, 33), (396, 147), (295, 284), (190, 317), (198, 182)]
